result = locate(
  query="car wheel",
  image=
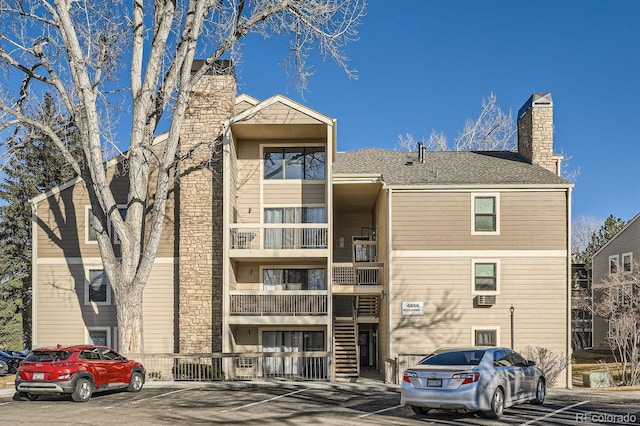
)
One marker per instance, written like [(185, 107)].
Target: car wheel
[(541, 391), (27, 395), (83, 391), (136, 382), (419, 410), (497, 405)]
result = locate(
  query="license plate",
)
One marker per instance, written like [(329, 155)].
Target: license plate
[(38, 376), (436, 383)]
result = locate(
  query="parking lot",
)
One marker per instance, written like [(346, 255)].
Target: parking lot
[(292, 403)]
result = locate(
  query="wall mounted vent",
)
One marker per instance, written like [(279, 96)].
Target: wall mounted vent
[(486, 300)]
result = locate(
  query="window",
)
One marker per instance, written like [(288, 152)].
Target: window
[(294, 215), (294, 237), (485, 277), (123, 213), (294, 163), (99, 336), (500, 358), (97, 289), (485, 214), (485, 336), (91, 236), (614, 262), (294, 341), (294, 279), (627, 263)]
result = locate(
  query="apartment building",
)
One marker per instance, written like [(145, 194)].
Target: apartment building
[(618, 256), (287, 245)]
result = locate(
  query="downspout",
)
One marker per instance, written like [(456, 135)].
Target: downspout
[(226, 269), (34, 273), (569, 375), (388, 269), (332, 136)]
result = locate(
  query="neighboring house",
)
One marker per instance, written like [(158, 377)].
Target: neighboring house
[(291, 246), (581, 300), (620, 253)]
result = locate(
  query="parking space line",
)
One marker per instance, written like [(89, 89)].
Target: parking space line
[(147, 399), (553, 413), (379, 411), (266, 400)]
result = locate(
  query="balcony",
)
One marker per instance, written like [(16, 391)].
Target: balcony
[(357, 277), (247, 240), (278, 306)]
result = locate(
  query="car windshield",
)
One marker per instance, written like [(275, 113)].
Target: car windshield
[(470, 357), (47, 356)]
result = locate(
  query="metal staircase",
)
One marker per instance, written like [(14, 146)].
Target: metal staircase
[(345, 346)]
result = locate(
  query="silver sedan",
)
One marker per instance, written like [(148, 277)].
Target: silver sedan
[(487, 379)]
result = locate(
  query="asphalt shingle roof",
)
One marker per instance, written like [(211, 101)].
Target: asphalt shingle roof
[(445, 167)]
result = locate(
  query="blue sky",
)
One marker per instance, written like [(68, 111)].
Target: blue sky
[(427, 65)]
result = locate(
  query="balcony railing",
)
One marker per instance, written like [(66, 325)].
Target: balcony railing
[(357, 274), (236, 366), (280, 236), (304, 302)]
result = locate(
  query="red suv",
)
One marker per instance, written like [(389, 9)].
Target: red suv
[(77, 370)]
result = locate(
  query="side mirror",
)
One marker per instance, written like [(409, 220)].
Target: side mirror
[(531, 363)]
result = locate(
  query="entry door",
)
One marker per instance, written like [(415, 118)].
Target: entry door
[(364, 346)]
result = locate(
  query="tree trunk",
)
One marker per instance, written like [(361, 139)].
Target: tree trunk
[(129, 313)]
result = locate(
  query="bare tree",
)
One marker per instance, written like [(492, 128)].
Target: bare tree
[(107, 62), (582, 230), (492, 130), (617, 300)]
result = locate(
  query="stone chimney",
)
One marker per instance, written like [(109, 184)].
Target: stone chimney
[(199, 210), (535, 132)]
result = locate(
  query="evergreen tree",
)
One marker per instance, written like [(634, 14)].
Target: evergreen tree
[(612, 225), (32, 165)]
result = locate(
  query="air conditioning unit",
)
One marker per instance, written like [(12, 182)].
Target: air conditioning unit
[(486, 300)]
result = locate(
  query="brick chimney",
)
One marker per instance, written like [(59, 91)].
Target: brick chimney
[(535, 132), (199, 209)]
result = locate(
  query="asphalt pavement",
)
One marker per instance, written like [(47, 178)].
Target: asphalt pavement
[(577, 394)]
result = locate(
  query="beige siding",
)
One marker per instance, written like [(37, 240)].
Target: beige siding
[(249, 277), (348, 225), (296, 193), (248, 181), (627, 241), (62, 221), (60, 312), (444, 285), (442, 221), (281, 114), (241, 106)]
